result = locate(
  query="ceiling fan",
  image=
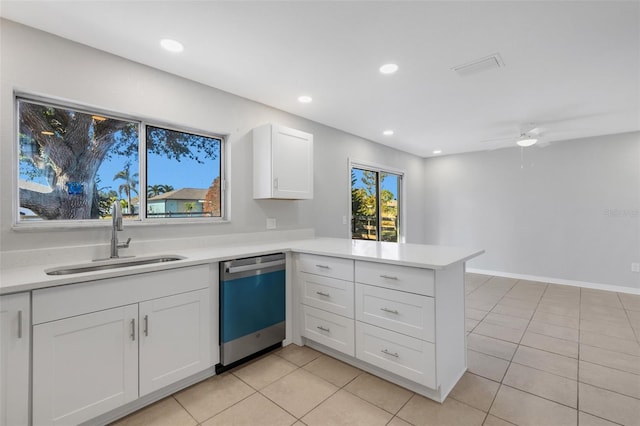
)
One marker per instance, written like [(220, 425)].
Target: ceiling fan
[(529, 135)]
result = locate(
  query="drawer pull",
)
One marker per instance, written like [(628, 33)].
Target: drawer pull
[(386, 352), (391, 311), (322, 294), (133, 330), (321, 328), (389, 277), (323, 266)]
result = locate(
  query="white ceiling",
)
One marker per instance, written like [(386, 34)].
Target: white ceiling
[(571, 68)]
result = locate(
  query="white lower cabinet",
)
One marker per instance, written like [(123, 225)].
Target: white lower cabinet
[(84, 366), (174, 341), (408, 357), (324, 288), (89, 363), (15, 336), (405, 313), (403, 323), (333, 331)]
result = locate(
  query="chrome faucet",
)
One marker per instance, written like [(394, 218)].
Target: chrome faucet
[(116, 222)]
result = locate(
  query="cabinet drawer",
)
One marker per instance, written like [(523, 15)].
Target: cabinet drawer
[(405, 356), (405, 278), (328, 266), (398, 311), (329, 329), (325, 293)]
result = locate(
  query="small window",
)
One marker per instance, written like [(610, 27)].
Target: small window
[(375, 204), (183, 174), (74, 164)]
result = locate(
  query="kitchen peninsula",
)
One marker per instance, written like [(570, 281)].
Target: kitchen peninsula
[(395, 310)]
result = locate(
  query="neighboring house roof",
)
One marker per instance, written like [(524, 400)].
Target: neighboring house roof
[(182, 194)]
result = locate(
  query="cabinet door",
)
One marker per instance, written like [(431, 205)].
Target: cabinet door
[(292, 158), (84, 366), (14, 359), (175, 339)]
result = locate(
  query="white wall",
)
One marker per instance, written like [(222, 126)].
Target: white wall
[(39, 63), (567, 211), (548, 219)]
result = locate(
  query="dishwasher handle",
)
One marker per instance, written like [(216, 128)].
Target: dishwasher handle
[(254, 266)]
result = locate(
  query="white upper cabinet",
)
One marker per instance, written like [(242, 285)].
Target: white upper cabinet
[(282, 163)]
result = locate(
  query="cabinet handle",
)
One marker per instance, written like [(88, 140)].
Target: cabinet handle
[(146, 325), (389, 277), (323, 329), (323, 294), (386, 352), (391, 311), (133, 329), (322, 266), (19, 324)]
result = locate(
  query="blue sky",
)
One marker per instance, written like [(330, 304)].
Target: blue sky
[(162, 171), (390, 183)]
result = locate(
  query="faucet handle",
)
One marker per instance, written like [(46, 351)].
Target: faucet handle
[(125, 245)]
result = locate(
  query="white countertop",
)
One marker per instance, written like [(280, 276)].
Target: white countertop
[(13, 280)]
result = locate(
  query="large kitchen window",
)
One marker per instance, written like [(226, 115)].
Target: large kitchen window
[(74, 163), (375, 204)]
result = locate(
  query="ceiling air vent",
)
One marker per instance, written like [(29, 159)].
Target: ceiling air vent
[(479, 65)]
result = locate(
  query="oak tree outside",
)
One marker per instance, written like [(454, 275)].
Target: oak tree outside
[(74, 164)]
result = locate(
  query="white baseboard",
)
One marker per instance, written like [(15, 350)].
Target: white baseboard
[(561, 281)]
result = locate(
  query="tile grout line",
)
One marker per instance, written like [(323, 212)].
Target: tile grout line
[(508, 366), (173, 395)]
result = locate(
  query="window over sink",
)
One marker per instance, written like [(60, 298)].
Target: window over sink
[(74, 162)]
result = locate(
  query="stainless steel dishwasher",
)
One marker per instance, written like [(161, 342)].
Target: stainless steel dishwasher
[(252, 306)]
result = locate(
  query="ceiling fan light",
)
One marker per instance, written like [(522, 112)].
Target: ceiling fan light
[(526, 141)]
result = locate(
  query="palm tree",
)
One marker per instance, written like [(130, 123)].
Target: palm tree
[(154, 190), (166, 188), (129, 184)]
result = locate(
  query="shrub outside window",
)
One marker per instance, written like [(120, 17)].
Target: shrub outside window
[(73, 164)]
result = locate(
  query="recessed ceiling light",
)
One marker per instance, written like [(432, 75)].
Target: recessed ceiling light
[(305, 99), (388, 68), (171, 45), (388, 132), (437, 151)]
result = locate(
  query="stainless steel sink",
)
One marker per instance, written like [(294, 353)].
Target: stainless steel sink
[(102, 265)]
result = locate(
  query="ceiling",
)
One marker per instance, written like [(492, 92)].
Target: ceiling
[(571, 69)]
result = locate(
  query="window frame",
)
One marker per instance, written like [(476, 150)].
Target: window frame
[(379, 168), (142, 123)]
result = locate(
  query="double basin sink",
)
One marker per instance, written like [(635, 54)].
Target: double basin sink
[(102, 265)]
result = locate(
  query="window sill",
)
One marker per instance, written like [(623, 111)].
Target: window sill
[(106, 224)]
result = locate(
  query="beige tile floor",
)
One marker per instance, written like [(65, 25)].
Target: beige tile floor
[(538, 354)]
